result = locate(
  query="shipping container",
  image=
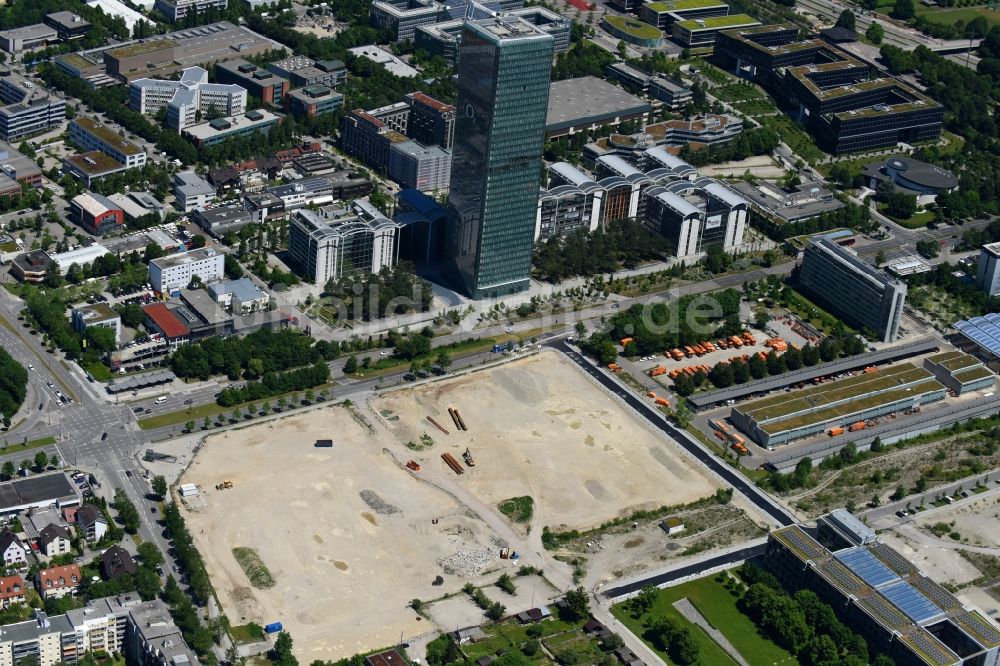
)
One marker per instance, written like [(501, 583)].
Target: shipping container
[(273, 628)]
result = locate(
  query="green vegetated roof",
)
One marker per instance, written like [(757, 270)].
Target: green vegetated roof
[(799, 542), (678, 5), (954, 361), (142, 47), (782, 404), (716, 22), (972, 375), (845, 410), (634, 27)]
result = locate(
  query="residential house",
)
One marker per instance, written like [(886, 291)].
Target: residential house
[(14, 552), (11, 590), (57, 582), (55, 540), (115, 562), (92, 521)]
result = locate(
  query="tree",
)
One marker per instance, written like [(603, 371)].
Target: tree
[(879, 260), (904, 10), (189, 426), (150, 554), (160, 486), (846, 20), (875, 32), (127, 513), (206, 424), (577, 603), (281, 653), (683, 647), (8, 470), (351, 366), (443, 359), (643, 602), (41, 460), (902, 205)]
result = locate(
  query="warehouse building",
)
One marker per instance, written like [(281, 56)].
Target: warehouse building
[(848, 105), (880, 594), (981, 335), (960, 372), (855, 291), (782, 418)]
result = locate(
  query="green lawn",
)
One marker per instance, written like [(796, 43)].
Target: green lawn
[(510, 634), (795, 136), (246, 633), (951, 15), (718, 606), (98, 371), (918, 221)]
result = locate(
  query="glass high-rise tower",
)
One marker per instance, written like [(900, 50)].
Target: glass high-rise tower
[(503, 95)]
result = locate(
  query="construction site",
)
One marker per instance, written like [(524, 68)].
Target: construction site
[(350, 512), (348, 534), (537, 427)]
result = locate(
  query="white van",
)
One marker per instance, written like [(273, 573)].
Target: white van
[(162, 399)]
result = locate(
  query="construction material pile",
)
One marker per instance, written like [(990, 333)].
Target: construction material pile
[(469, 560), (377, 504)]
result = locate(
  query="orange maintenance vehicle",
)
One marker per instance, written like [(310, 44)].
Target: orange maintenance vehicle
[(625, 341), (854, 427), (657, 371), (836, 430)]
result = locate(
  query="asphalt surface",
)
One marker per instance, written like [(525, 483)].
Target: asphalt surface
[(733, 478), (694, 569)]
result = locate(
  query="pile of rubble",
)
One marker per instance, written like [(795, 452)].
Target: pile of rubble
[(469, 560), (377, 504)]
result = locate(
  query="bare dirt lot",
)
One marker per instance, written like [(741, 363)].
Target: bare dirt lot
[(537, 427), (344, 571)]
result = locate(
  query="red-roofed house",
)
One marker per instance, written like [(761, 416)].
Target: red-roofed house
[(160, 319), (11, 590), (57, 582)]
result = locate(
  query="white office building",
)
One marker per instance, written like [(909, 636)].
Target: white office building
[(187, 98), (174, 272), (192, 192)]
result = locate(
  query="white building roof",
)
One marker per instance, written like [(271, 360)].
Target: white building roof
[(79, 256)]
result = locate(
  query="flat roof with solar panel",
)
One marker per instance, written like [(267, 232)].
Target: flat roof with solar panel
[(914, 612), (983, 331)]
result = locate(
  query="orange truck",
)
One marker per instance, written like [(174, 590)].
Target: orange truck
[(749, 339), (736, 340), (739, 448), (657, 371), (625, 341), (870, 369), (676, 354), (614, 367), (689, 351), (836, 430), (854, 427), (708, 346), (662, 401)]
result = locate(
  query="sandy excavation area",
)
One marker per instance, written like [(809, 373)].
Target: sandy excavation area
[(344, 566), (539, 427)]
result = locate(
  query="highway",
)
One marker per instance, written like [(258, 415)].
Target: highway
[(731, 477)]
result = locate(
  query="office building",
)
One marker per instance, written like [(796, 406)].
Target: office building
[(175, 10), (265, 85), (221, 220), (988, 269), (911, 176), (699, 131), (880, 594), (25, 38), (312, 101), (187, 99), (430, 122), (695, 215), (503, 85), (850, 288), (29, 109), (422, 222), (302, 71), (91, 166), (328, 246), (68, 26), (221, 129), (797, 204), (369, 138), (96, 213), (403, 16), (700, 33), (847, 105), (168, 274), (424, 168), (239, 296), (191, 191), (587, 103), (442, 39), (19, 168), (664, 14), (91, 135), (98, 314), (673, 95), (565, 209)]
